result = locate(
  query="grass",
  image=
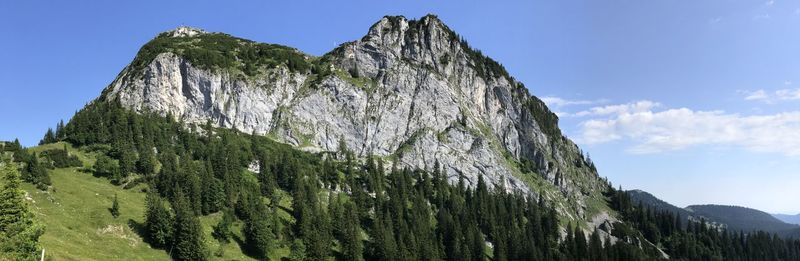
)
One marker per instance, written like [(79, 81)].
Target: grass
[(79, 225)]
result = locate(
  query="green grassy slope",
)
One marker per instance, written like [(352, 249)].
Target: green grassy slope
[(79, 225)]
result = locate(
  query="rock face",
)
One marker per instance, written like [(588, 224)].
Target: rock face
[(410, 91)]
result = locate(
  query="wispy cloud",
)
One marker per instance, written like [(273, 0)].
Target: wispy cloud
[(756, 95), (557, 102), (652, 131), (634, 107), (715, 20), (769, 3), (774, 96)]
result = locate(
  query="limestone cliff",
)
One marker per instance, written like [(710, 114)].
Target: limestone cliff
[(410, 91)]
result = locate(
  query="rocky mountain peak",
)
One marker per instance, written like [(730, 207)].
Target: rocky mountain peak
[(427, 43), (185, 31), (410, 91)]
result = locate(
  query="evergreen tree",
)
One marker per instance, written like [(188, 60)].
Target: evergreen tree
[(187, 240), (35, 173), (257, 234), (115, 207), (147, 163), (127, 165), (49, 137), (60, 135), (19, 233), (158, 221), (105, 166), (222, 231), (350, 234), (298, 251), (596, 247)]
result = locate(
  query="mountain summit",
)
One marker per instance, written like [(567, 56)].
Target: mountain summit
[(410, 91)]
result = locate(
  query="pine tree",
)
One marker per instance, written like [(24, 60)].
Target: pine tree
[(115, 207), (298, 251), (19, 233), (352, 248), (222, 231), (147, 163), (257, 233), (596, 247), (187, 240), (60, 135), (158, 221), (127, 164), (35, 173), (49, 137)]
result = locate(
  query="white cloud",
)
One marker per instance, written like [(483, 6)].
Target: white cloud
[(553, 101), (756, 95), (675, 129), (772, 97), (788, 94), (638, 106), (715, 20), (770, 2)]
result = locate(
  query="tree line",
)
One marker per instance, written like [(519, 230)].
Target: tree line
[(687, 239), (338, 206), (350, 209)]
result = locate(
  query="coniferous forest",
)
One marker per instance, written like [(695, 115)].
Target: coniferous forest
[(345, 208), (351, 209)]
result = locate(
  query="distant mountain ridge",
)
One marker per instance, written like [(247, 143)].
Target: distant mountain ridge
[(742, 218), (648, 199), (791, 219), (734, 218)]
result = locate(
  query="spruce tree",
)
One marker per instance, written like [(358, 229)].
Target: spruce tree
[(352, 248), (222, 231), (158, 221), (258, 236), (298, 251), (187, 239), (115, 207), (60, 130), (49, 137), (19, 232)]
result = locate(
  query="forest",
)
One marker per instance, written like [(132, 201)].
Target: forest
[(345, 208)]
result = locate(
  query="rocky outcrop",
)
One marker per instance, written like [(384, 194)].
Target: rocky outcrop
[(410, 91)]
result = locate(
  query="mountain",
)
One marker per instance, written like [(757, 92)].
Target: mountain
[(647, 199), (742, 218), (410, 91), (404, 145), (790, 219), (728, 217)]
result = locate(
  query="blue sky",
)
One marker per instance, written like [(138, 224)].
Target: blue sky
[(693, 101)]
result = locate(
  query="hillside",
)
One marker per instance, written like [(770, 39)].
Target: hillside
[(790, 219), (406, 144), (741, 218), (648, 199), (79, 225)]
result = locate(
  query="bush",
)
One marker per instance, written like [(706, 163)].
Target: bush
[(60, 158), (105, 166)]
